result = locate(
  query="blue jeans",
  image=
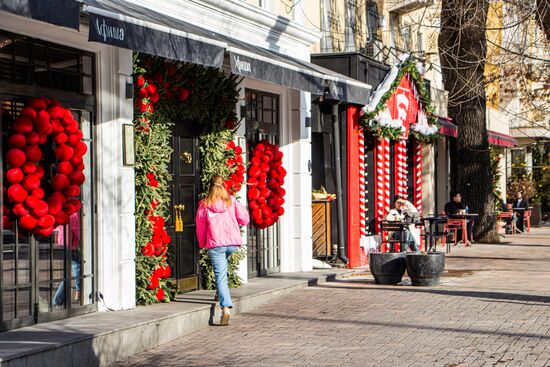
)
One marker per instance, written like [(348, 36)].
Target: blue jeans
[(218, 256), (408, 240), (59, 297)]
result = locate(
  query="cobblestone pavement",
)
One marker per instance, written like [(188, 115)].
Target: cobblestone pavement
[(492, 309)]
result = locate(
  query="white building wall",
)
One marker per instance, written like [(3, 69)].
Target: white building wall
[(114, 184)]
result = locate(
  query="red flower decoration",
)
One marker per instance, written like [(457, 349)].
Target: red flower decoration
[(234, 183)]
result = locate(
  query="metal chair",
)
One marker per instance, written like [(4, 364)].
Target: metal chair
[(392, 226)]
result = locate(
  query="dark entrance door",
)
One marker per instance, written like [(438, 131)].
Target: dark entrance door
[(262, 122), (185, 189)]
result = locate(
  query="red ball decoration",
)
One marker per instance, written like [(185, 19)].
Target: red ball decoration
[(61, 218), (27, 222), (253, 193), (39, 193), (33, 153), (77, 178), (20, 210), (38, 104), (72, 190), (64, 152), (17, 141), (44, 232), (60, 138), (15, 175), (40, 210), (54, 206), (31, 182), (28, 112), (22, 125), (31, 202), (64, 168), (30, 168), (15, 157), (17, 194), (59, 196), (160, 294), (75, 203), (153, 282), (60, 182), (32, 138)]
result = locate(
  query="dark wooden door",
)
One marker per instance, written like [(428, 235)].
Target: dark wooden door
[(185, 190)]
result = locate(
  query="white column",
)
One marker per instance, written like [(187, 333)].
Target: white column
[(428, 179), (296, 243), (115, 183)]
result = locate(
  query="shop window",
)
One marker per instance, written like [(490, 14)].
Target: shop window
[(47, 278)]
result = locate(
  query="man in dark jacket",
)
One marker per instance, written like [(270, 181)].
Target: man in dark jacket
[(456, 207), (520, 206)]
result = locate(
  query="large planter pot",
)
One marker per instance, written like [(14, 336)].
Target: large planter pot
[(387, 267), (425, 269)]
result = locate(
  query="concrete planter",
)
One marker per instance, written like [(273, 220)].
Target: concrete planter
[(425, 269), (387, 267)]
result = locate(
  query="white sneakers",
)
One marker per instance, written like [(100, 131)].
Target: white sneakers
[(226, 315)]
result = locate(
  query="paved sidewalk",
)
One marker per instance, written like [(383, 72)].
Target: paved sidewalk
[(492, 309)]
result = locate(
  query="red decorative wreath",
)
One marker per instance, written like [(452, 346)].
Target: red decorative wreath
[(234, 183), (266, 176), (27, 201)]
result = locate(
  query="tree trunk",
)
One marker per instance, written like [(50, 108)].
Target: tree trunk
[(462, 50), (543, 16)]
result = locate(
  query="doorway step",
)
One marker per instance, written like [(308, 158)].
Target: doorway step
[(102, 338)]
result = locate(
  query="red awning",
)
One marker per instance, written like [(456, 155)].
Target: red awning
[(502, 140), (447, 128)]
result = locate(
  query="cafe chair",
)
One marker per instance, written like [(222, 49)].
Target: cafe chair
[(527, 219), (387, 226), (453, 226), (504, 217)]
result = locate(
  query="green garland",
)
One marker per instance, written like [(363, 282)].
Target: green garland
[(368, 120), (233, 279), (168, 92)]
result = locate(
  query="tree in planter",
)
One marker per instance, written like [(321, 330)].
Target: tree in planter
[(462, 50)]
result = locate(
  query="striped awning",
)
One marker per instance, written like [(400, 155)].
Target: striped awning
[(502, 140), (447, 128)]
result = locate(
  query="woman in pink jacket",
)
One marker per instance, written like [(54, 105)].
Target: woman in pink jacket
[(218, 220)]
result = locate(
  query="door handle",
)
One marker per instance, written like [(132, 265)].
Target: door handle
[(186, 157), (178, 220)]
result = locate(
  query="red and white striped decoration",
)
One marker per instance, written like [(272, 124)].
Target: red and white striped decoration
[(380, 187), (418, 176), (362, 184), (401, 168)]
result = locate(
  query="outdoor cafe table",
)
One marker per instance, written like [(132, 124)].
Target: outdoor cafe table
[(464, 218), (433, 232)]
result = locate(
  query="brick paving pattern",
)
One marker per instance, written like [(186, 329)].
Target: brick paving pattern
[(492, 309)]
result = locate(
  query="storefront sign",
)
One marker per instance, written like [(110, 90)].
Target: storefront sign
[(65, 13)]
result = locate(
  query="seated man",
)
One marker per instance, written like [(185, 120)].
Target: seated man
[(397, 214), (520, 206), (456, 207)]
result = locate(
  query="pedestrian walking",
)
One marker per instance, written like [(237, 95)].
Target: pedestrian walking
[(218, 219)]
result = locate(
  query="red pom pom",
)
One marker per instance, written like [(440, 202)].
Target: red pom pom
[(17, 194), (42, 138), (64, 152), (22, 125), (264, 158), (38, 104), (256, 214), (76, 161), (80, 148), (76, 204), (31, 182), (42, 122), (153, 282), (27, 222), (264, 167), (142, 93), (28, 112), (54, 206), (33, 153), (57, 112), (72, 190), (39, 172), (32, 138), (31, 202), (148, 250), (69, 209), (64, 168), (60, 181), (281, 211), (154, 98), (183, 94), (252, 181), (253, 205), (238, 150), (254, 171), (57, 127), (151, 89), (61, 219), (38, 193), (41, 209), (255, 161), (253, 194), (44, 232), (72, 127), (77, 178), (15, 175), (20, 210), (60, 138), (15, 157), (17, 141), (160, 295), (59, 196)]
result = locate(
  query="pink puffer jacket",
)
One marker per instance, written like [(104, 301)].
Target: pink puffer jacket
[(218, 225)]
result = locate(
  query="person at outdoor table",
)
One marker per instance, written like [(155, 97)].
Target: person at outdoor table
[(457, 207), (397, 214), (519, 206)]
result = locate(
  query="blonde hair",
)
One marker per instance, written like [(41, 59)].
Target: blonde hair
[(217, 192)]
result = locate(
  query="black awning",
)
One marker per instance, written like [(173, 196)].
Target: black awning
[(65, 13), (118, 25), (138, 28)]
